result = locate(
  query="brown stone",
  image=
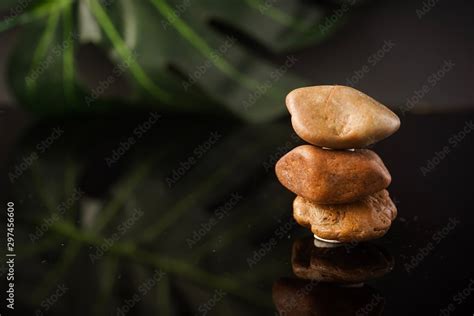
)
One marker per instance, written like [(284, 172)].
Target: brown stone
[(332, 176), (339, 117), (346, 264), (365, 219)]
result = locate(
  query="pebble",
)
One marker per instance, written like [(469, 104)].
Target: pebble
[(365, 219), (339, 117), (332, 176)]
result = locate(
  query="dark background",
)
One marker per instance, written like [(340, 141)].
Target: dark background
[(238, 163)]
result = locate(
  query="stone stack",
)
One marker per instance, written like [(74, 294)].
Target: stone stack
[(341, 186)]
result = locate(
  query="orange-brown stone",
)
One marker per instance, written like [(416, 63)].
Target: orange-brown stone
[(332, 176)]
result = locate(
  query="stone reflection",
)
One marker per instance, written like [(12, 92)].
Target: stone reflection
[(330, 280), (344, 264), (303, 297)]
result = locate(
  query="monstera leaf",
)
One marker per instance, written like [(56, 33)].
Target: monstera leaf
[(177, 55)]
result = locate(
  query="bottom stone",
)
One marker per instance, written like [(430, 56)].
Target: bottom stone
[(366, 219)]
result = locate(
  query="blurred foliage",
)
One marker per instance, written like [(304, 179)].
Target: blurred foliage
[(157, 240), (180, 55)]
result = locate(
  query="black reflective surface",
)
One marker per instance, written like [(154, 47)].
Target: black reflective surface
[(128, 216)]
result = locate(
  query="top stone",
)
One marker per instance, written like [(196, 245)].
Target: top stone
[(339, 117)]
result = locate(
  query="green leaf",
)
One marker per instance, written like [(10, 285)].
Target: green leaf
[(181, 56), (26, 12)]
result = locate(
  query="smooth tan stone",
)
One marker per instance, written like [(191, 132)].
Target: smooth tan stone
[(339, 117), (346, 264), (332, 176), (365, 219)]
